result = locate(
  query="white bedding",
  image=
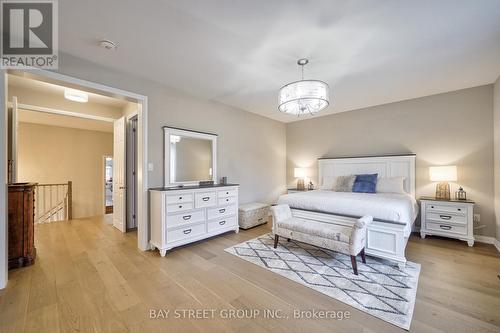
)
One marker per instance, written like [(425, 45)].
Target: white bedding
[(394, 207)]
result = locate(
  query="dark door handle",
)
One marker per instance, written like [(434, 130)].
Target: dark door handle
[(445, 227), (445, 217), (187, 231), (222, 210), (186, 217), (206, 198), (222, 222)]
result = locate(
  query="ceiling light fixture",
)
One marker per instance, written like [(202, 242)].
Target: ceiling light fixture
[(304, 96), (76, 95)]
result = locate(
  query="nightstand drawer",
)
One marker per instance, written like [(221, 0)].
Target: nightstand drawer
[(446, 208), (446, 228), (447, 218)]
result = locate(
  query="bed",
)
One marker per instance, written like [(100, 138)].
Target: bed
[(394, 213)]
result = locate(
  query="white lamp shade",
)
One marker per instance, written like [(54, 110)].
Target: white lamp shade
[(443, 173), (299, 172), (304, 97)]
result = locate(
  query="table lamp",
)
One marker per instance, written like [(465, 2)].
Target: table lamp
[(443, 175), (300, 173)]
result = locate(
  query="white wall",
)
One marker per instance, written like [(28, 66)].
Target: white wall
[(251, 148), (496, 126), (450, 128), (3, 182), (68, 154)]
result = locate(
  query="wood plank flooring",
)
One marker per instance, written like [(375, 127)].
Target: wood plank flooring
[(89, 277)]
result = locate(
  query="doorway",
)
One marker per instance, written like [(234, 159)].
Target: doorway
[(108, 185)]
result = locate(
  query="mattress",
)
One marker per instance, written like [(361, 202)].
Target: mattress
[(387, 207)]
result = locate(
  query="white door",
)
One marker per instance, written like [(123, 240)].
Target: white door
[(13, 141), (119, 176)]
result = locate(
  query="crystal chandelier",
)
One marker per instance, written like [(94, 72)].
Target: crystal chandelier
[(304, 96)]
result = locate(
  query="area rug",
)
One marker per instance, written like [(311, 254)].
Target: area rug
[(380, 289)]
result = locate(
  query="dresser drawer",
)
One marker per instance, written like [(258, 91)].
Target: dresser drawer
[(175, 220), (185, 233), (447, 218), (446, 208), (446, 228), (221, 223), (227, 201), (222, 211), (179, 198), (227, 193), (180, 207), (205, 199)]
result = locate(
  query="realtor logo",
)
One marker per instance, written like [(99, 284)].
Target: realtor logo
[(29, 34)]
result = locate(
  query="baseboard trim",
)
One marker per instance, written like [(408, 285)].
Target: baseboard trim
[(488, 240)]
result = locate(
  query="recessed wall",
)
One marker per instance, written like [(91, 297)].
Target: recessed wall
[(451, 128)]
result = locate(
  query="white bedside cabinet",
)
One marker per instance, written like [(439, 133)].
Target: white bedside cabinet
[(447, 218)]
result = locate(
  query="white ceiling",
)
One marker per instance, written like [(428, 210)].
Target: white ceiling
[(57, 90), (241, 52)]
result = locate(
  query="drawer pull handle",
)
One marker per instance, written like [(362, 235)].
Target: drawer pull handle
[(445, 227), (187, 231), (186, 217), (206, 198), (432, 206), (227, 199), (180, 206), (180, 198), (222, 210), (459, 209), (227, 192), (445, 217), (260, 220), (222, 222)]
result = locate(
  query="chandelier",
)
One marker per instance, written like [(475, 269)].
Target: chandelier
[(304, 96)]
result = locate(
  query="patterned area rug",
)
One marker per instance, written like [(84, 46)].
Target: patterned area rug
[(380, 289)]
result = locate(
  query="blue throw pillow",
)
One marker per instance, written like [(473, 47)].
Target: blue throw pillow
[(365, 183)]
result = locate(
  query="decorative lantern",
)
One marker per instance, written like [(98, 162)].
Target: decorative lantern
[(461, 194)]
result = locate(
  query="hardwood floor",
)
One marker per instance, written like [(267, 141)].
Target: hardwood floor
[(89, 277)]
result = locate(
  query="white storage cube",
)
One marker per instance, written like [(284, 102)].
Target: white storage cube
[(253, 214)]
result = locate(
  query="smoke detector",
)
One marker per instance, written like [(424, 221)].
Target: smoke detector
[(107, 44)]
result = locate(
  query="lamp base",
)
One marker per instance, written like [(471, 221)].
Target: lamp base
[(443, 191), (300, 184)]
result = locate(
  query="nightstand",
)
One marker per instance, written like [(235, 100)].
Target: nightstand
[(447, 218), (295, 190)]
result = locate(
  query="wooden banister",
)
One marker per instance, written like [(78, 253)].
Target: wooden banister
[(54, 202)]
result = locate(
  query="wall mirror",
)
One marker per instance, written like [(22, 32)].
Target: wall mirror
[(190, 157)]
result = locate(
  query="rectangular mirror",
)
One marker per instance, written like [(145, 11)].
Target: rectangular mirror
[(190, 156)]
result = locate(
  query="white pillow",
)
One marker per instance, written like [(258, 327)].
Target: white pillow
[(391, 185)]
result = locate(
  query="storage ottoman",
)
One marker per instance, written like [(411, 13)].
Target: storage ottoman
[(253, 214)]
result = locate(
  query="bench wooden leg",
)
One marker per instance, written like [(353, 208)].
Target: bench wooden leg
[(276, 239), (354, 265), (363, 258)]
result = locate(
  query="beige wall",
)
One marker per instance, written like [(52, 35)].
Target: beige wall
[(50, 154), (251, 148), (450, 128), (496, 125)]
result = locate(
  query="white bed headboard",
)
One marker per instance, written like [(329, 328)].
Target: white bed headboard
[(385, 166)]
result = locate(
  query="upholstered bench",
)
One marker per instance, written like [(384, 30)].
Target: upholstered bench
[(253, 214), (345, 239)]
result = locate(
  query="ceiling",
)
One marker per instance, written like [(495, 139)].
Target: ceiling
[(49, 88), (240, 52)]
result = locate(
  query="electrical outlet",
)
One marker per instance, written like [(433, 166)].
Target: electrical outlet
[(477, 218)]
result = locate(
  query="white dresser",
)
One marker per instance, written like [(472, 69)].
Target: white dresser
[(447, 218), (184, 215)]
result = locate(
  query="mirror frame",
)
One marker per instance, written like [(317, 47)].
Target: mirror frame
[(167, 131)]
